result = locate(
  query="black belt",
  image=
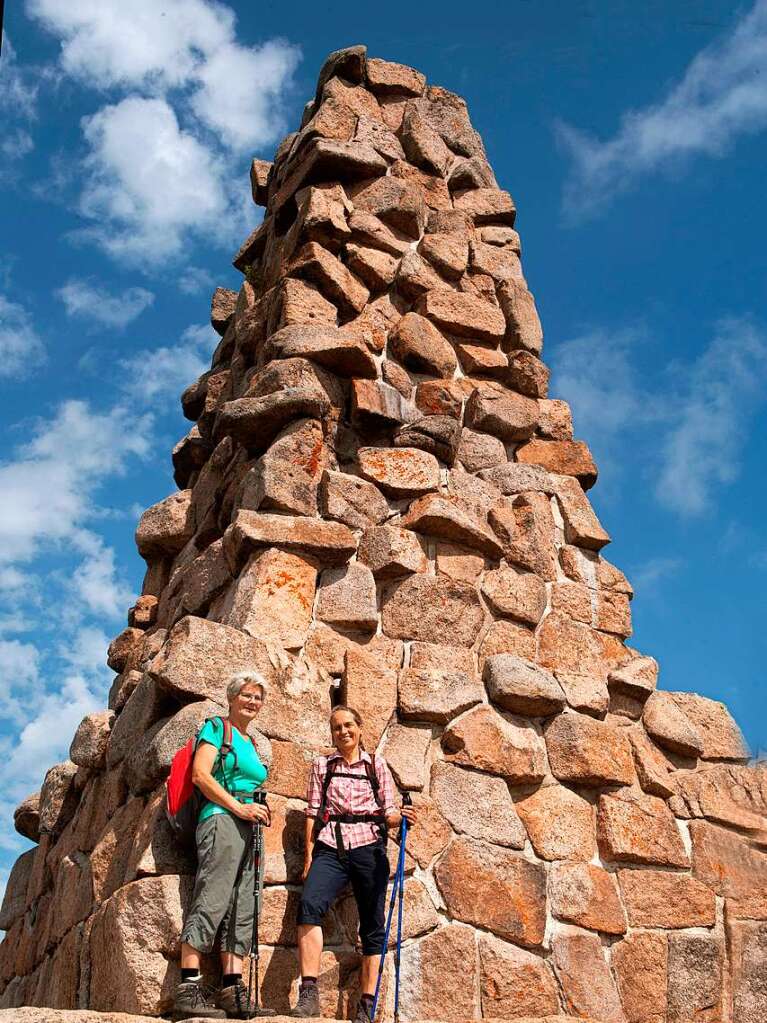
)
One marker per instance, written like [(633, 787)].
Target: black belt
[(353, 818)]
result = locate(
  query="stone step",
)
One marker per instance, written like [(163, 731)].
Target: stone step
[(30, 1014)]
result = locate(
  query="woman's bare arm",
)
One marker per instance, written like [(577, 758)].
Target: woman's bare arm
[(308, 845), (202, 776)]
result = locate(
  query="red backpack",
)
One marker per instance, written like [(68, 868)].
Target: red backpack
[(182, 798)]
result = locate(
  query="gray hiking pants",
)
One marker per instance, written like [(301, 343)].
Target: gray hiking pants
[(223, 897)]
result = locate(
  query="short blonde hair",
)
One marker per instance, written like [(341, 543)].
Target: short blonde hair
[(243, 678)]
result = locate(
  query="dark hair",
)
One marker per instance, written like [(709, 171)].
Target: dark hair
[(349, 710)]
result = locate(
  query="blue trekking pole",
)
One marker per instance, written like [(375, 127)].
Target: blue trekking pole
[(402, 839), (398, 893)]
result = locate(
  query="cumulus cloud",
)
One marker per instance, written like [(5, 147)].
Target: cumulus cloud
[(244, 114), (51, 720), (48, 683), (168, 370), (21, 349), (721, 95), (161, 159), (597, 372), (649, 575), (95, 582), (16, 144), (20, 672), (18, 93), (55, 476), (88, 301), (194, 279), (690, 421), (703, 448), (85, 651), (149, 182), (105, 43)]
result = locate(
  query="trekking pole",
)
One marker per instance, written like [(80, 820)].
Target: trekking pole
[(254, 955), (406, 801), (397, 892)]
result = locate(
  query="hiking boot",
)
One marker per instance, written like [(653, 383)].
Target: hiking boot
[(234, 1000), (364, 1011), (194, 998), (308, 1003)]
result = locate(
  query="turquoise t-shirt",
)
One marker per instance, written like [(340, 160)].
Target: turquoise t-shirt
[(239, 774)]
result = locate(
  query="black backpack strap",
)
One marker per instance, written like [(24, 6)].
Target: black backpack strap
[(321, 818), (371, 767), (227, 738), (224, 749), (372, 773)]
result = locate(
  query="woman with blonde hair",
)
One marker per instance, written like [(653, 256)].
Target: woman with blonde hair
[(228, 772), (350, 805)]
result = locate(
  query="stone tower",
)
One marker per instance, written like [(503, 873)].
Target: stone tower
[(379, 501)]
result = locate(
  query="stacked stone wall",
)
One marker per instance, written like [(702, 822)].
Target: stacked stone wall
[(379, 502)]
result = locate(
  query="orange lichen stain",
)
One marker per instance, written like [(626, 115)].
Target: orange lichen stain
[(313, 462), (297, 588)]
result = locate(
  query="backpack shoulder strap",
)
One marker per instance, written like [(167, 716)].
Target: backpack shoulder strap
[(331, 767), (227, 739), (372, 773), (330, 770)]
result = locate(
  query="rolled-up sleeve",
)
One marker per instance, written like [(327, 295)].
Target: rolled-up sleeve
[(386, 783), (314, 790)]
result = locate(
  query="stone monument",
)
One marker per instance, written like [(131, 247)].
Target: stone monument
[(379, 502)]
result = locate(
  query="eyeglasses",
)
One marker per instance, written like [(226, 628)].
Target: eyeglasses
[(251, 699)]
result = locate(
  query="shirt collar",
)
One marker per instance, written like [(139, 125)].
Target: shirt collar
[(364, 755)]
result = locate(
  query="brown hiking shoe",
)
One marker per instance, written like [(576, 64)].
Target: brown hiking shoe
[(193, 998), (364, 1011), (234, 1000), (308, 1003)]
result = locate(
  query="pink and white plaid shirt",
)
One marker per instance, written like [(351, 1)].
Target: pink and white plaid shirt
[(347, 795)]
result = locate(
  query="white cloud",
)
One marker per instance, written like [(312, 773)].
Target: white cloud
[(54, 477), (16, 143), (21, 349), (17, 93), (12, 580), (242, 90), (148, 182), (19, 675), (84, 299), (4, 875), (722, 94), (54, 480), (654, 571), (236, 90), (703, 448), (45, 738), (597, 373), (169, 370), (686, 426), (86, 651), (95, 582), (15, 622), (107, 43), (193, 280), (154, 174)]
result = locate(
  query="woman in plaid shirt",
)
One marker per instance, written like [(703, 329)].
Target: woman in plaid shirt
[(346, 843)]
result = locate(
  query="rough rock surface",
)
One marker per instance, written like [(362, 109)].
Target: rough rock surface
[(379, 502)]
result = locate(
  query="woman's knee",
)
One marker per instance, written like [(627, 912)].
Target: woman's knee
[(312, 908)]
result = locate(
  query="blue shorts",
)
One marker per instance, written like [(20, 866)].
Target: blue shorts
[(367, 869)]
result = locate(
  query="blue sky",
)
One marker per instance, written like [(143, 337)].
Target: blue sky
[(633, 138)]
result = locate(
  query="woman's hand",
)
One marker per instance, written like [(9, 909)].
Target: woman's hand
[(254, 813), (305, 871), (410, 813), (394, 820)]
